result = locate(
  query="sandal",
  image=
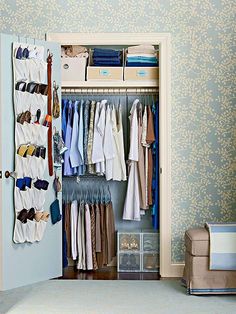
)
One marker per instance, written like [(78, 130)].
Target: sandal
[(31, 150), (22, 150)]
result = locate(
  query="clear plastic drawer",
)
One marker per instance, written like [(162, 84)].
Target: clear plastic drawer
[(150, 242), (129, 262), (129, 241), (150, 262)]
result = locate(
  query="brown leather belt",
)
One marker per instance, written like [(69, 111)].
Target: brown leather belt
[(49, 73)]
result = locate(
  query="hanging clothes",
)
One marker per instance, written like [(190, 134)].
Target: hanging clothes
[(119, 168), (90, 232), (90, 139), (89, 256), (150, 138), (141, 162), (86, 130), (68, 171), (132, 200), (74, 219), (109, 151), (145, 145), (75, 158), (81, 167), (155, 208), (99, 127)]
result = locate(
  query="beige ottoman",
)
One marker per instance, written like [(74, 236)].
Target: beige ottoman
[(197, 276)]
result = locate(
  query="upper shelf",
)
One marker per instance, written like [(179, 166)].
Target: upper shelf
[(106, 84)]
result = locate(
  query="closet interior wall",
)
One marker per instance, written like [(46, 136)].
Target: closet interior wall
[(117, 188)]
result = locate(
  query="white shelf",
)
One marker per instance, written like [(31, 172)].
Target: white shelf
[(106, 84)]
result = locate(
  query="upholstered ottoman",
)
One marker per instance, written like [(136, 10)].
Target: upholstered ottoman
[(197, 276)]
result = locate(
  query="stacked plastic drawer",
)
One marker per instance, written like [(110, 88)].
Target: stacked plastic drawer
[(138, 251)]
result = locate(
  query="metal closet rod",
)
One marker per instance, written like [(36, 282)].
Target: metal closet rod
[(106, 91)]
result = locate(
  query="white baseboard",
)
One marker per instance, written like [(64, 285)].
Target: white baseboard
[(175, 270)]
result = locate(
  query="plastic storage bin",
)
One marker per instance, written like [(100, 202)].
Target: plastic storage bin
[(129, 262), (138, 248), (129, 242), (150, 262), (150, 242), (73, 69)]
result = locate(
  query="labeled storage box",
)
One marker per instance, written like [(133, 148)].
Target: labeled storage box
[(104, 73), (73, 69), (141, 73)]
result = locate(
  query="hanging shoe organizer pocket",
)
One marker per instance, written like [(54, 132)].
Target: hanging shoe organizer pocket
[(30, 107)]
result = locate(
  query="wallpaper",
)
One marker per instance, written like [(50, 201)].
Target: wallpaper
[(203, 84)]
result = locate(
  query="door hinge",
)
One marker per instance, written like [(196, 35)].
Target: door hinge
[(0, 174), (160, 170)]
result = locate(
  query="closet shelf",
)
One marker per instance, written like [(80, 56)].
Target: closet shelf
[(107, 84)]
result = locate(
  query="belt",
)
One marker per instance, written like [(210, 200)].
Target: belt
[(49, 74)]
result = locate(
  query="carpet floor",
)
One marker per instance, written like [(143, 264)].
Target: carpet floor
[(111, 297)]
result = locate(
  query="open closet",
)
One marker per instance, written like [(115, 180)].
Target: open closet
[(104, 154), (114, 174)]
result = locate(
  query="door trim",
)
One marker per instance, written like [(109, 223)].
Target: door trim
[(167, 268)]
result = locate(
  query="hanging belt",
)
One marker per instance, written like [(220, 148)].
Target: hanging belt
[(49, 72)]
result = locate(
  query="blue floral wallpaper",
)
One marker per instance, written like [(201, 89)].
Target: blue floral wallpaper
[(203, 88)]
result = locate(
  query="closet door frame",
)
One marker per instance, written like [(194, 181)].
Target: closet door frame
[(167, 268)]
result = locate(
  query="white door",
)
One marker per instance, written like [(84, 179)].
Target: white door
[(22, 264)]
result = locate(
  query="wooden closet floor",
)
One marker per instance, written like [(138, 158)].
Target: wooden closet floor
[(107, 273)]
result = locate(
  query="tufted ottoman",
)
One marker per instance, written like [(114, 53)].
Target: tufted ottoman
[(197, 276)]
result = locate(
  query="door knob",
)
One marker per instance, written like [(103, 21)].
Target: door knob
[(9, 174)]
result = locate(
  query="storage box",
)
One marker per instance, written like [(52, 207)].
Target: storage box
[(139, 247), (129, 242), (150, 242), (104, 73), (73, 69), (150, 262), (129, 262), (141, 73)]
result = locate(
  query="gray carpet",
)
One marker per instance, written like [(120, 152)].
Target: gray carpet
[(111, 297)]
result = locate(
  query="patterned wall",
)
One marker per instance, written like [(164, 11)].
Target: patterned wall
[(203, 85)]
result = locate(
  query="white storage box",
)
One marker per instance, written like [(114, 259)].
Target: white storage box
[(73, 69)]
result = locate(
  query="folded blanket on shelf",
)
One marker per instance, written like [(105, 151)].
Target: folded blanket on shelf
[(99, 52), (141, 49), (142, 59), (222, 246), (141, 64)]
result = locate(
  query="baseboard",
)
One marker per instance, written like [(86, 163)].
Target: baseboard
[(175, 270)]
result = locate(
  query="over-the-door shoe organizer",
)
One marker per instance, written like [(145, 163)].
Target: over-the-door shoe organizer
[(30, 107)]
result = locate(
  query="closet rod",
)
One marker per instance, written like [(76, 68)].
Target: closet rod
[(106, 91)]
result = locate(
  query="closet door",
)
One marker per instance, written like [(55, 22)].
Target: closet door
[(23, 263)]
